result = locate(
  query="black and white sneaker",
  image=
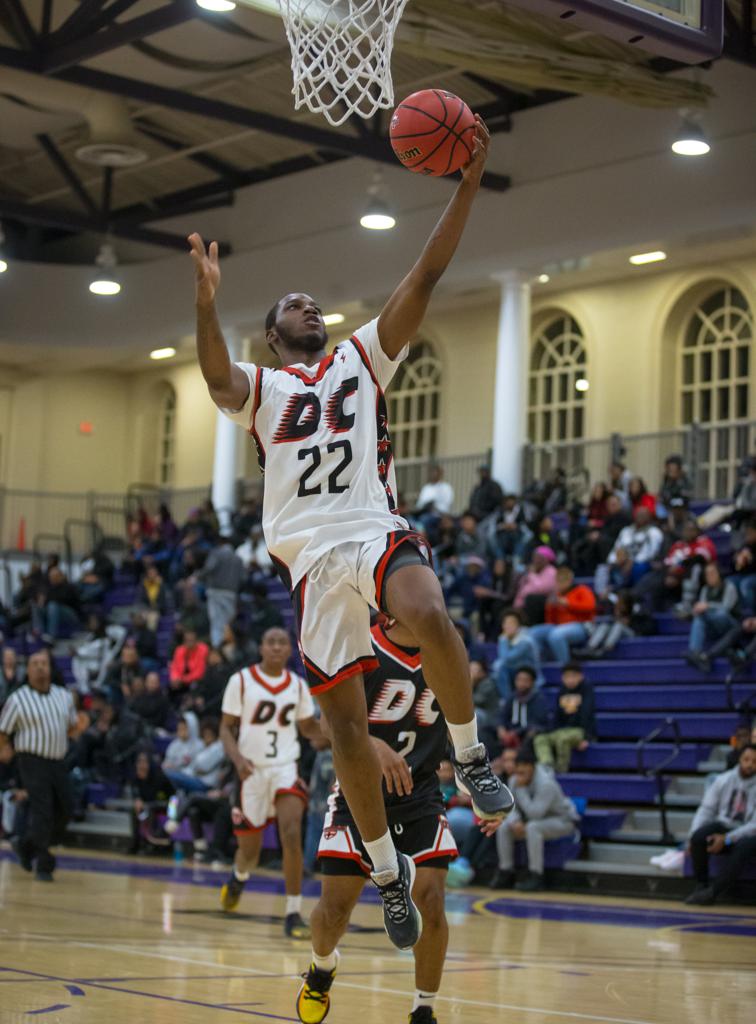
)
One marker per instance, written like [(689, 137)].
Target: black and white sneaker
[(401, 918), (489, 795)]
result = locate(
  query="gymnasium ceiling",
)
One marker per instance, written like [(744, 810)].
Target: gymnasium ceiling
[(206, 98)]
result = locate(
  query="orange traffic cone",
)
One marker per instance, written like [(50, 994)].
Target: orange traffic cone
[(21, 539)]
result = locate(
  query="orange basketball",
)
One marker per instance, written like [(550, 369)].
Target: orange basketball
[(432, 132)]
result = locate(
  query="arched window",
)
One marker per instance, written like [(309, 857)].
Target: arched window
[(414, 404), (715, 359), (167, 436), (557, 382)]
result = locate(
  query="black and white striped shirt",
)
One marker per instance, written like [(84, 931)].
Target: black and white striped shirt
[(39, 722)]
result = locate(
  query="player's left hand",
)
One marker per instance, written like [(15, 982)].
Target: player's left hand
[(396, 773), (473, 169)]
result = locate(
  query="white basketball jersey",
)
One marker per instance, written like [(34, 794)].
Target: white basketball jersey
[(269, 708), (323, 441)]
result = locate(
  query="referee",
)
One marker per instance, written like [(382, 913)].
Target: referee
[(39, 717)]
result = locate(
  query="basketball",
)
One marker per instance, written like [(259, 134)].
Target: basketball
[(432, 132)]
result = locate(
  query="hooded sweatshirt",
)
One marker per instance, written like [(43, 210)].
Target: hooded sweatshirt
[(543, 798), (181, 753), (207, 765), (730, 799)]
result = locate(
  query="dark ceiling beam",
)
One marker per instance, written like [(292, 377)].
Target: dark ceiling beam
[(45, 216), (46, 20), (67, 172), (107, 192), (86, 18), (172, 14), (20, 26), (211, 163)]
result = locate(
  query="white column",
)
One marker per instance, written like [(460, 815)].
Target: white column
[(510, 395), (227, 438)]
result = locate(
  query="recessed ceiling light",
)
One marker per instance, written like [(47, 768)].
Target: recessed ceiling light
[(581, 384), (543, 278), (162, 353), (216, 5), (647, 257), (331, 319), (3, 266), (104, 285)]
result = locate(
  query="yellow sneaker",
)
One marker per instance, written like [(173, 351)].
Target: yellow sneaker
[(313, 1001), (231, 892), (295, 927)]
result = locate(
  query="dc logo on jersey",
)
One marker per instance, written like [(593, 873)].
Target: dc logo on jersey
[(266, 710), (303, 414), (395, 701)]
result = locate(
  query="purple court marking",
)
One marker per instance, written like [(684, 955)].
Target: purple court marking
[(577, 974), (75, 990), (49, 1009)]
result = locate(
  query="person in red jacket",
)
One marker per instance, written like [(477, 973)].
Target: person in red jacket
[(567, 612), (684, 565), (188, 664)]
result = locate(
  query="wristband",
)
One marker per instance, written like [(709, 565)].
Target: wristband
[(728, 840)]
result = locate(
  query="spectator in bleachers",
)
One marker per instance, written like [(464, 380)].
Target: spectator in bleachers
[(96, 574), (628, 620), (145, 641), (725, 823), (261, 613), (619, 482), (678, 514), (169, 532), (678, 579), (714, 614), (243, 520), (238, 648), (515, 649), (206, 695), (152, 792), (204, 770), (545, 535), (468, 580), (542, 812), (11, 673), (597, 510), (436, 497), (212, 808), (491, 598), (187, 664), (121, 674), (181, 751), (536, 584), (152, 704), (94, 652), (322, 778), (486, 496), (639, 497), (222, 574), (469, 540), (634, 550), (485, 699), (192, 615), (524, 713), (592, 548), (745, 492), (152, 595), (745, 569), (675, 482), (574, 721), (567, 615), (458, 805), (57, 610), (744, 734), (254, 554)]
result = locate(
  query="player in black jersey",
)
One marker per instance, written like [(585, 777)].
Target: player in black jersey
[(410, 734)]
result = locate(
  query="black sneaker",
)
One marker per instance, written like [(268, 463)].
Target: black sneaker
[(23, 857), (44, 876), (703, 896), (533, 883), (313, 1000), (231, 893), (489, 795), (422, 1015), (502, 879), (401, 918), (295, 927)]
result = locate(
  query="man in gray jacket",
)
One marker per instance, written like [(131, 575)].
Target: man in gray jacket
[(542, 812), (725, 823), (223, 574)]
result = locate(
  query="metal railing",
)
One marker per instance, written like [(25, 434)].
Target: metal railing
[(461, 471), (657, 771), (712, 454), (746, 708)]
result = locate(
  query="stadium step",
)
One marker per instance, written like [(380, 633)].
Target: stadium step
[(653, 670), (624, 757), (668, 698), (623, 853), (115, 824), (632, 789), (713, 726)]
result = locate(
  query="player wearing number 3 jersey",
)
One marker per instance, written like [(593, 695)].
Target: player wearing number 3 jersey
[(329, 519), (265, 707)]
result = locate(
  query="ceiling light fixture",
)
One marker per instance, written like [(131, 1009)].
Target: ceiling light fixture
[(105, 281), (641, 258), (690, 139), (581, 384), (3, 262), (163, 353), (216, 5), (378, 215), (543, 278), (331, 319)]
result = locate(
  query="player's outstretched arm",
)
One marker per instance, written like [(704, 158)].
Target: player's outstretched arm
[(229, 730), (227, 384), (404, 311)]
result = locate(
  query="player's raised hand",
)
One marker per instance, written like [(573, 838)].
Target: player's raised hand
[(207, 269), (473, 169)]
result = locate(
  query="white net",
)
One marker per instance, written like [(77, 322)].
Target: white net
[(341, 54)]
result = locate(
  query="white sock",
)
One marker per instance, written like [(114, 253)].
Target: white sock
[(423, 999), (293, 905), (382, 854), (326, 963), (200, 844), (463, 737), (241, 876)]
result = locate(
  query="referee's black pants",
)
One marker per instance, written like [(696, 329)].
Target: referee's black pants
[(49, 804)]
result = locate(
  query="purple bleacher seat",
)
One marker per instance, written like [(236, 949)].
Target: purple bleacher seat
[(712, 726), (632, 789), (624, 757), (556, 852), (600, 822)]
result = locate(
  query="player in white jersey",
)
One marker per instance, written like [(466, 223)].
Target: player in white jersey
[(330, 522), (265, 707)]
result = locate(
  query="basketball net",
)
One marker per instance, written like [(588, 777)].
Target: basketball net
[(341, 54)]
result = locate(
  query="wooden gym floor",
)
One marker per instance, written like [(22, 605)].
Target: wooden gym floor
[(117, 940)]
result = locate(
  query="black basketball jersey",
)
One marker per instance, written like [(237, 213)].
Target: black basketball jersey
[(404, 713)]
